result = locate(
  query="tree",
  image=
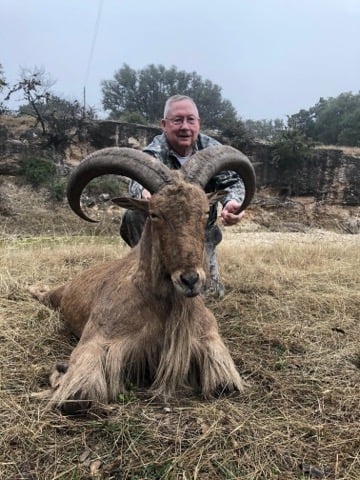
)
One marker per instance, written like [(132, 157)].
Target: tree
[(61, 121), (336, 114), (2, 85), (333, 121), (145, 92), (350, 129), (303, 122), (132, 117), (2, 78), (290, 149), (264, 129), (35, 86), (236, 133)]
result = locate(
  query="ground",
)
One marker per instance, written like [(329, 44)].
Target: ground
[(290, 318)]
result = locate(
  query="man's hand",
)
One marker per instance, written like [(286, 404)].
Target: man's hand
[(230, 213), (145, 194)]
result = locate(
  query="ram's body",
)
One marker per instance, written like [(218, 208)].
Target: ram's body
[(142, 318)]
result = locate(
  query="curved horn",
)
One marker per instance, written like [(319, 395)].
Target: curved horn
[(207, 163), (137, 165)]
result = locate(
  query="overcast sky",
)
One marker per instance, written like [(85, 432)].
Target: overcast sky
[(270, 57)]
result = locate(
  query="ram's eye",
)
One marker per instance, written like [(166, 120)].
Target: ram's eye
[(154, 216)]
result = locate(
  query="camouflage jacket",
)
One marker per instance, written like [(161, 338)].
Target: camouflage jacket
[(227, 180)]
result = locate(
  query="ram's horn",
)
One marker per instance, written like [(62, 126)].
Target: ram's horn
[(137, 165), (207, 163)]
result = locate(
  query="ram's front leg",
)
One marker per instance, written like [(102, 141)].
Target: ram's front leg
[(81, 382), (218, 371)]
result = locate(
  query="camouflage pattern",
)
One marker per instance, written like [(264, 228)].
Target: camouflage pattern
[(213, 237), (228, 180)]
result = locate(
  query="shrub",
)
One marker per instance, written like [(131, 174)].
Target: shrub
[(57, 189), (289, 149), (37, 171), (133, 117)]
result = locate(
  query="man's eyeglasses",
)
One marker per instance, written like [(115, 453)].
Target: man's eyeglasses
[(180, 120)]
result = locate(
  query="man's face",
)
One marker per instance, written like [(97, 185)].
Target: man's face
[(181, 126)]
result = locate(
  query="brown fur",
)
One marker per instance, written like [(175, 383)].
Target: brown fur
[(138, 320)]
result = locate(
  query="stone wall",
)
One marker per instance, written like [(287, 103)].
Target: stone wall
[(109, 133), (330, 175)]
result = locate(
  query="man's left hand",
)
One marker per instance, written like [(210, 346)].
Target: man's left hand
[(230, 213)]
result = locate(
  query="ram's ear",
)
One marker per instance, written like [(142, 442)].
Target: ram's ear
[(132, 203), (214, 197)]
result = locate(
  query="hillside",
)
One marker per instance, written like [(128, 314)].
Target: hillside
[(24, 210)]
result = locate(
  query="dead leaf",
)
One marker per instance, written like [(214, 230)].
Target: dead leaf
[(84, 455), (95, 467)]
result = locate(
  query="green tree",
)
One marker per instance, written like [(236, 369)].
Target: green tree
[(289, 147), (350, 129), (132, 117), (236, 133), (264, 129), (303, 121), (145, 91), (336, 114), (333, 121)]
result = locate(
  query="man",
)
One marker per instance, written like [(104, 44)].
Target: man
[(180, 139)]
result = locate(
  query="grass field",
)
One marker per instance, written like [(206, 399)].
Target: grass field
[(290, 318)]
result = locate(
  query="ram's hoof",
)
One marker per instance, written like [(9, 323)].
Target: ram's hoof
[(215, 289), (75, 407), (57, 374)]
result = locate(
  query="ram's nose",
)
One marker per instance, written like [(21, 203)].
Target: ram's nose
[(190, 279), (189, 283)]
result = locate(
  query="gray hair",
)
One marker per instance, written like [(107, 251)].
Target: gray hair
[(178, 98)]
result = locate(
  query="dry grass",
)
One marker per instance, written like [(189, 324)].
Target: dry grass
[(291, 321), (354, 151), (18, 124)]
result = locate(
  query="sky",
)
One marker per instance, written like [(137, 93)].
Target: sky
[(271, 58)]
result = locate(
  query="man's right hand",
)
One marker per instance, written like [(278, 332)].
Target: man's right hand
[(145, 194)]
